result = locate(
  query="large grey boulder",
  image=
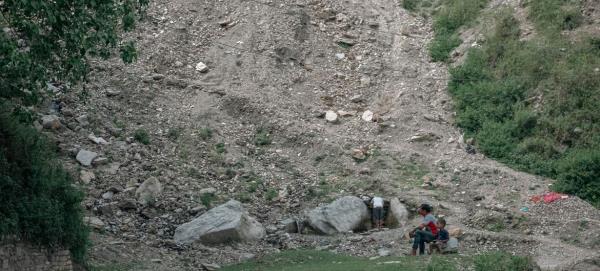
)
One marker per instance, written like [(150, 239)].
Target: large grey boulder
[(223, 224), (397, 214), (344, 214)]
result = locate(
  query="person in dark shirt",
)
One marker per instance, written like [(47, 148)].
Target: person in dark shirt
[(441, 240)]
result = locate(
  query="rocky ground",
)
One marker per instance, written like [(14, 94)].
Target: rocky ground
[(294, 104)]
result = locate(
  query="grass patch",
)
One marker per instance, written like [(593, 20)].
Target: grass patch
[(305, 260), (262, 138), (207, 198), (205, 133), (174, 133), (142, 136), (271, 194), (220, 148), (501, 261), (453, 15)]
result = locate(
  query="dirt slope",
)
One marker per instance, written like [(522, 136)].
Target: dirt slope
[(276, 66)]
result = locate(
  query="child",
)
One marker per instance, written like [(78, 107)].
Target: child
[(442, 237)]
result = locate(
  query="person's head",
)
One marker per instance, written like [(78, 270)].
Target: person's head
[(424, 209), (441, 223)]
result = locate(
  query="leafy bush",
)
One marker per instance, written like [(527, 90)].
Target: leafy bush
[(262, 138), (533, 104), (453, 15), (205, 133), (39, 202), (410, 4), (501, 261), (142, 136)]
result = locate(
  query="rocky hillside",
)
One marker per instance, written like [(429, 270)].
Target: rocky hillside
[(283, 106)]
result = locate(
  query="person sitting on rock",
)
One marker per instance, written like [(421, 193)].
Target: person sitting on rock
[(377, 203), (425, 232), (440, 242)]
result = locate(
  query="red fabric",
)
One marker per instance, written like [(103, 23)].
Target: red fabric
[(433, 228), (548, 197)]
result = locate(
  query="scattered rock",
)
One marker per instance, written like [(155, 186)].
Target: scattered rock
[(148, 191), (86, 176), (331, 116), (343, 113), (97, 140), (357, 99), (201, 67), (455, 232), (340, 56), (112, 93), (367, 116), (108, 195), (127, 205), (383, 252), (271, 229), (421, 137), (85, 157), (83, 120), (208, 190), (226, 223), (345, 214), (51, 122), (94, 222), (210, 266), (359, 154)]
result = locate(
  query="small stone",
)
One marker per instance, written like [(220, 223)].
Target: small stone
[(271, 229), (347, 42), (197, 209), (100, 161), (340, 56), (112, 93), (51, 122), (364, 171), (359, 154), (86, 176), (225, 22), (383, 252), (208, 190), (97, 140), (85, 157), (127, 204), (290, 225), (478, 198), (201, 67), (210, 266), (94, 222), (331, 116), (365, 81), (83, 120), (455, 232), (178, 64), (148, 191), (357, 99), (343, 113), (158, 76), (367, 116), (108, 195)]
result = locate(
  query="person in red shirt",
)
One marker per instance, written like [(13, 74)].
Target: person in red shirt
[(426, 231)]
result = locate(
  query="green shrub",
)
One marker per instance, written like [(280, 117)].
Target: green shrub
[(39, 202), (262, 138), (453, 15), (207, 198), (580, 175), (271, 194), (533, 104), (142, 136), (174, 133), (501, 261), (552, 16), (220, 148), (410, 4), (205, 133)]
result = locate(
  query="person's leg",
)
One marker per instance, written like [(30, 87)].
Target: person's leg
[(416, 242), (425, 236)]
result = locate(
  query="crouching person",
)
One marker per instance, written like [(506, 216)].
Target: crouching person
[(425, 232)]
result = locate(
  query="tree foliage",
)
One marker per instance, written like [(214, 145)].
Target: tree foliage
[(49, 40), (44, 43)]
